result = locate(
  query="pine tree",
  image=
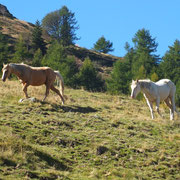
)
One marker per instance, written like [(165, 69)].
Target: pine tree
[(178, 93), (67, 27), (121, 75), (89, 77), (144, 48), (170, 65), (37, 40), (57, 59), (21, 52), (120, 78), (4, 49), (54, 55), (36, 62), (61, 25), (103, 45), (141, 74)]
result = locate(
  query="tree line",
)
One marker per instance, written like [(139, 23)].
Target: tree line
[(140, 60)]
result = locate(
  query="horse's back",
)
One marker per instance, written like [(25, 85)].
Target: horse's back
[(163, 81), (166, 87), (42, 75)]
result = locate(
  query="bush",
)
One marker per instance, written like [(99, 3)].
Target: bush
[(69, 70), (178, 94), (120, 78), (36, 62), (57, 59), (89, 77)]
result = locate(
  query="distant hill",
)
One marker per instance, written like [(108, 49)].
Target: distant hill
[(13, 28), (4, 12)]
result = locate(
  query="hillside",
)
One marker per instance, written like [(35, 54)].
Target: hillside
[(13, 28), (93, 136)]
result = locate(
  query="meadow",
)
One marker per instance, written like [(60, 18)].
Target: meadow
[(93, 136)]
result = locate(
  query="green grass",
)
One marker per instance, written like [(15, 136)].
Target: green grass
[(93, 136)]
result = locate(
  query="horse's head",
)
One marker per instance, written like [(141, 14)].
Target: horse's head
[(6, 70), (135, 88)]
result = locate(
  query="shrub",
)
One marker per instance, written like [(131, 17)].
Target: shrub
[(57, 59), (89, 77), (120, 78)]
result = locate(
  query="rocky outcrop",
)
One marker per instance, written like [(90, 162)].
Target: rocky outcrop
[(4, 12)]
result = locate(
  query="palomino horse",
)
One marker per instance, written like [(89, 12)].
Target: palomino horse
[(35, 76), (163, 90)]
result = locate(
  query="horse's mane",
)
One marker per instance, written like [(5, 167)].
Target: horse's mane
[(145, 80), (146, 83), (19, 66)]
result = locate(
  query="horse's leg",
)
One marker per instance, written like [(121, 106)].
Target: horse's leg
[(57, 91), (170, 107), (25, 85), (150, 107), (157, 106), (172, 99), (47, 91)]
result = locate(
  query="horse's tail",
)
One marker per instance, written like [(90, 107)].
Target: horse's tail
[(170, 84), (60, 83), (173, 87)]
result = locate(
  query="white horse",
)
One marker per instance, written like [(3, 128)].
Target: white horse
[(163, 90)]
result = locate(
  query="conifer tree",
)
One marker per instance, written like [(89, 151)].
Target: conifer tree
[(120, 78), (170, 65), (68, 26), (57, 59), (121, 75), (54, 55), (177, 98), (21, 52), (37, 40), (61, 25), (103, 45), (141, 74), (36, 62), (89, 77), (144, 48), (4, 49)]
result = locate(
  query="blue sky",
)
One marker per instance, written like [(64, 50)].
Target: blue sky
[(116, 20)]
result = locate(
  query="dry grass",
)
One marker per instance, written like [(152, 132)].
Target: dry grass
[(15, 27)]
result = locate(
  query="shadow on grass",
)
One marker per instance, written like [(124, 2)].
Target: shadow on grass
[(79, 109), (51, 161), (8, 162), (56, 107)]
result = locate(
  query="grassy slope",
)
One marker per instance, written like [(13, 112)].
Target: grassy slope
[(15, 27), (93, 136)]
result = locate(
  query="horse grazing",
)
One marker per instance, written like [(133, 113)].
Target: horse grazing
[(163, 90), (35, 76)]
